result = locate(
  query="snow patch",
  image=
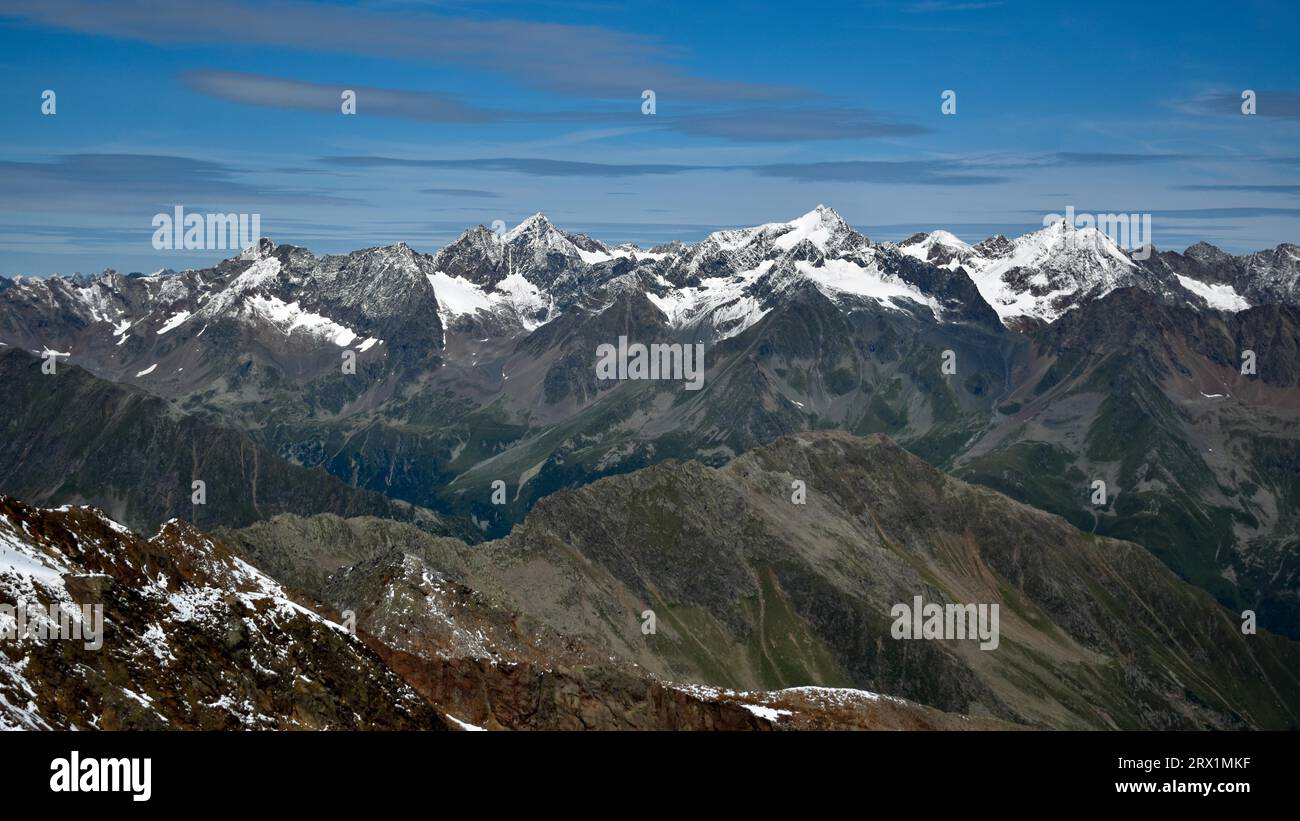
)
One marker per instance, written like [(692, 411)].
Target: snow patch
[(175, 320), (288, 317), (458, 296), (769, 713), (465, 725), (847, 277), (1219, 297), (720, 300)]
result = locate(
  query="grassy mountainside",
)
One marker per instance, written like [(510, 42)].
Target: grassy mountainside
[(752, 591), (1198, 458)]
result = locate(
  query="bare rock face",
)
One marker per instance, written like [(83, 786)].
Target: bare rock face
[(528, 697), (193, 637)]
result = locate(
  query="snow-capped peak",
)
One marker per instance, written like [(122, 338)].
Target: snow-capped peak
[(1046, 272), (819, 226), (946, 239), (537, 224), (1062, 241), (938, 247), (527, 276), (741, 273)]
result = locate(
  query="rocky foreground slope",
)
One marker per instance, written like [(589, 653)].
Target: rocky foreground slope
[(193, 637)]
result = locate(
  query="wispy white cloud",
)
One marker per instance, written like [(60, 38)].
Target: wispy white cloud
[(790, 123), (559, 57)]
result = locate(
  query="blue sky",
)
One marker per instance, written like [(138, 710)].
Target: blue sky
[(470, 112)]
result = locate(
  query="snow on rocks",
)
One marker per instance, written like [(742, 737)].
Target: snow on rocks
[(1219, 297), (289, 318)]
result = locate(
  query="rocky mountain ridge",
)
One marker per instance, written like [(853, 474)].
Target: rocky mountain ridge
[(751, 590)]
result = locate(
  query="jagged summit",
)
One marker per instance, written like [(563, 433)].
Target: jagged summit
[(939, 247), (517, 280), (937, 236), (537, 224), (261, 249), (820, 227)]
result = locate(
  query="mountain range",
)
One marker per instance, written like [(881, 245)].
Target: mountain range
[(436, 422)]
